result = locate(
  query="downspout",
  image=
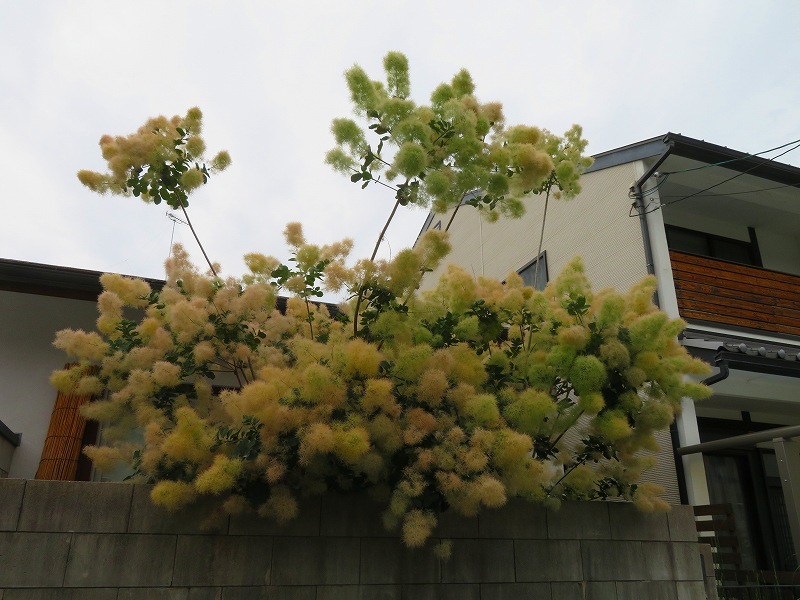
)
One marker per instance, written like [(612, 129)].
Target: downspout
[(637, 194), (724, 371), (678, 452), (636, 190)]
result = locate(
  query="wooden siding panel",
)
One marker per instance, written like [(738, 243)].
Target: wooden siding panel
[(62, 446), (716, 291)]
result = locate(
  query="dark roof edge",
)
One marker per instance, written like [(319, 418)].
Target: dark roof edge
[(429, 219), (77, 284), (712, 153), (425, 226), (15, 439), (626, 154), (53, 280)]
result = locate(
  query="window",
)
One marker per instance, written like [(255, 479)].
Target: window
[(714, 246), (535, 277)]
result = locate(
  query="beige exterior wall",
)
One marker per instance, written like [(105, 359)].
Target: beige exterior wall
[(595, 226)]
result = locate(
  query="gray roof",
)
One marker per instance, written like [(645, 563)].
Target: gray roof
[(54, 280), (701, 151), (69, 282)]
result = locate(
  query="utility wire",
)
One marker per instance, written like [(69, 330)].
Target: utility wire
[(697, 193), (175, 220), (711, 187), (725, 162), (777, 187), (666, 174)]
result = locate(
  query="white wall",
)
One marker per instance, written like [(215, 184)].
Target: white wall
[(715, 226), (779, 252), (28, 323)]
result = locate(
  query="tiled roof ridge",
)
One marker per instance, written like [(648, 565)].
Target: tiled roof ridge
[(758, 350)]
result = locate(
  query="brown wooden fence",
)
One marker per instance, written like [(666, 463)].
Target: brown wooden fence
[(731, 294)]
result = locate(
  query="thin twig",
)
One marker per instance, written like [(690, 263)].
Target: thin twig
[(378, 181), (362, 288), (453, 216), (383, 231), (308, 312), (189, 222), (560, 435), (567, 472), (541, 235), (252, 372)]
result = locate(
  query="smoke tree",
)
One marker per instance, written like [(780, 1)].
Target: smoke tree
[(455, 399)]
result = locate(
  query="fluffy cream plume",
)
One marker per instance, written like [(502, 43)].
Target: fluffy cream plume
[(438, 397), (220, 477)]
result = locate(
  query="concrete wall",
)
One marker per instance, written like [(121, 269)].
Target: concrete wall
[(28, 323), (107, 541)]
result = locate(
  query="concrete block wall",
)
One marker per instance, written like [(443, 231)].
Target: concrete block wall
[(102, 541)]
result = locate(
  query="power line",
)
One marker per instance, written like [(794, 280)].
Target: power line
[(699, 192), (768, 189), (175, 220), (746, 156), (711, 187)]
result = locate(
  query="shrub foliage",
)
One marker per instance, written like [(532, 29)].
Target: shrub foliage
[(457, 398)]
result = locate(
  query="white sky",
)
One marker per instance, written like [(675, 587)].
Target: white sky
[(268, 77)]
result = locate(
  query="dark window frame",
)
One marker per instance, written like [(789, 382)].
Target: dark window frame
[(543, 272), (710, 238)]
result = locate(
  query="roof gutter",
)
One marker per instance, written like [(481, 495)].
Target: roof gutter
[(639, 203), (724, 371)]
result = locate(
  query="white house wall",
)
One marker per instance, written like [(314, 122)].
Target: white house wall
[(28, 324), (595, 226), (715, 226), (779, 251)]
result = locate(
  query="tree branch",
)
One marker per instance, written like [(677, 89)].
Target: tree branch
[(189, 222)]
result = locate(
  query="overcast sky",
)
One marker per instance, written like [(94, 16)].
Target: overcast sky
[(268, 77)]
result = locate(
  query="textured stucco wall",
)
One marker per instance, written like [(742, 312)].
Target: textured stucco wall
[(107, 541), (595, 225)]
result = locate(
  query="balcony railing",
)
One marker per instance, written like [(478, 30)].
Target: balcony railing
[(727, 293)]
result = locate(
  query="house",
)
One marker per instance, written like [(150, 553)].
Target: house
[(41, 431), (720, 230), (36, 300)]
